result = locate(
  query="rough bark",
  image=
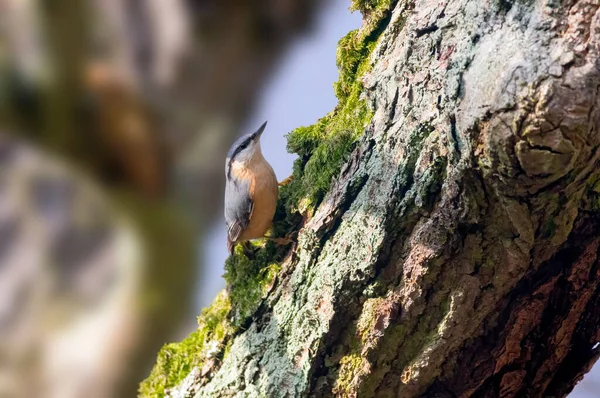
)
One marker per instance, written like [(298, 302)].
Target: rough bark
[(457, 253)]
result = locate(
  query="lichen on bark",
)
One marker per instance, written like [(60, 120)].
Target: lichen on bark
[(325, 145)]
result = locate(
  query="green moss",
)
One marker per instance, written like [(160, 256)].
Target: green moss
[(324, 146), (366, 7), (248, 280), (175, 361), (373, 10)]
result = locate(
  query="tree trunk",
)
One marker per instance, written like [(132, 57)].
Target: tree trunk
[(456, 254)]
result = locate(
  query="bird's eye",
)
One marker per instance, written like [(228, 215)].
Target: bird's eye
[(244, 146)]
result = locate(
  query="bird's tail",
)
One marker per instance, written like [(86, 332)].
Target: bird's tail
[(230, 246)]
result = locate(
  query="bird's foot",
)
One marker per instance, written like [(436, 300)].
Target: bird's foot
[(286, 240), (281, 241), (286, 181)]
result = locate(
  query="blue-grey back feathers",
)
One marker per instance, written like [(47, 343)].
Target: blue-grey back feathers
[(238, 207)]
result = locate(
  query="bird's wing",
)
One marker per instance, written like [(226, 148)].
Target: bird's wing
[(238, 208)]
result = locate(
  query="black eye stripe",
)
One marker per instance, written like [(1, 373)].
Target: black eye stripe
[(239, 148), (246, 143)]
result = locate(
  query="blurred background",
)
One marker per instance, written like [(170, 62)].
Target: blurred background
[(115, 118)]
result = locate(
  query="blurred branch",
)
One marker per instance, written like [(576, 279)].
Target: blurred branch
[(136, 93)]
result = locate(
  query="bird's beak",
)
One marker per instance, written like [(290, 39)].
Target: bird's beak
[(260, 130)]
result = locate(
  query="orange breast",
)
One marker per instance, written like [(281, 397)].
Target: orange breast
[(263, 191)]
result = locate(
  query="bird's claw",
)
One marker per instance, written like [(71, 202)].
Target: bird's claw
[(282, 241), (286, 181), (286, 240)]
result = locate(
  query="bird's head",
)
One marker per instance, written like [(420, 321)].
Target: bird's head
[(244, 149)]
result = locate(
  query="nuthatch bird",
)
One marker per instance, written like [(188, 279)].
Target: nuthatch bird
[(251, 190)]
